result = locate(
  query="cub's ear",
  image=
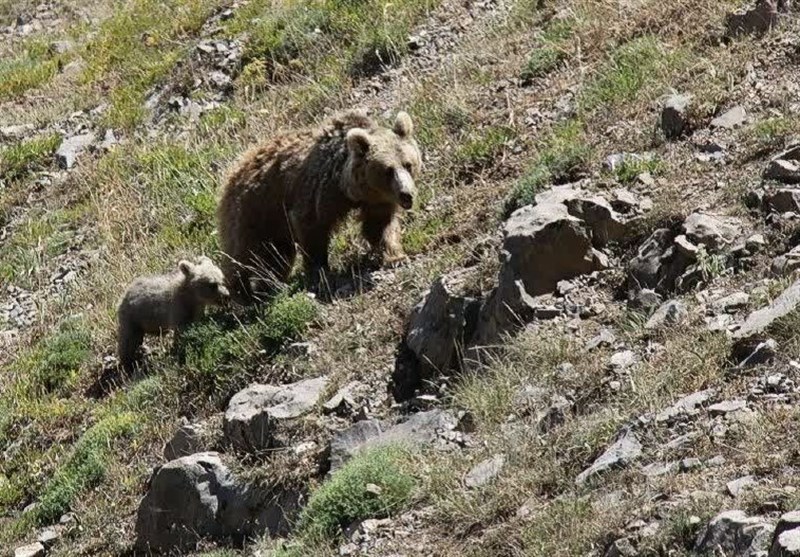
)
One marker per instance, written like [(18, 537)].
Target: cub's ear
[(403, 126), (358, 141), (186, 267)]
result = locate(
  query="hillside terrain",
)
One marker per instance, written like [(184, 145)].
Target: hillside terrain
[(592, 349)]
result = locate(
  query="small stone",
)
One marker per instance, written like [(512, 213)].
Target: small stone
[(674, 116), (688, 464), (485, 471), (621, 453), (736, 486), (718, 460), (669, 314), (731, 119), (48, 537), (727, 407), (604, 338), (71, 148), (687, 406), (623, 360), (732, 302), (31, 550)]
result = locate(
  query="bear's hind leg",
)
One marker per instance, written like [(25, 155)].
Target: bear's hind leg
[(129, 340)]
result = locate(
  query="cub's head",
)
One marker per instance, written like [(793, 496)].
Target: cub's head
[(205, 280), (385, 163)]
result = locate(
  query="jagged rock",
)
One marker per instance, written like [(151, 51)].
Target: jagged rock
[(253, 413), (727, 407), (786, 264), (686, 407), (485, 471), (646, 299), (669, 314), (71, 148), (555, 414), (674, 116), (443, 321), (788, 524), (109, 140), (545, 244), (344, 398), (711, 231), (660, 468), (187, 440), (748, 354), (781, 170), (734, 533), (730, 119), (30, 550), (604, 338), (760, 320), (732, 302), (196, 497), (658, 264), (621, 548), (758, 20), (606, 225), (782, 200), (419, 429), (736, 486), (786, 544), (621, 453)]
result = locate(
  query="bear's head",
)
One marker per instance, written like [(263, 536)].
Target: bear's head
[(384, 163), (205, 280)]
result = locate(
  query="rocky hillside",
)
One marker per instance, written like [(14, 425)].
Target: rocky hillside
[(592, 350)]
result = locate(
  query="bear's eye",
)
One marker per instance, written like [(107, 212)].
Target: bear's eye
[(408, 167)]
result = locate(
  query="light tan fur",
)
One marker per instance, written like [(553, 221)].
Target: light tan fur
[(156, 304)]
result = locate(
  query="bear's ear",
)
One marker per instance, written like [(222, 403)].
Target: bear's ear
[(358, 141), (403, 126), (186, 268)]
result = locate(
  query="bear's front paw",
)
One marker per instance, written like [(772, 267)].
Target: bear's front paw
[(394, 259)]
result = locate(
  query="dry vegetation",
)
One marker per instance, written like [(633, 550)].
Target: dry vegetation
[(489, 145)]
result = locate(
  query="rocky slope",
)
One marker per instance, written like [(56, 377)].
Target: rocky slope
[(591, 351)]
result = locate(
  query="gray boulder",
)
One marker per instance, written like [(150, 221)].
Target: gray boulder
[(71, 148), (187, 440), (730, 119), (196, 497), (254, 413), (760, 320), (621, 453), (786, 264), (786, 544), (658, 264), (674, 116), (30, 550), (669, 314), (485, 471), (782, 200), (734, 533), (711, 231)]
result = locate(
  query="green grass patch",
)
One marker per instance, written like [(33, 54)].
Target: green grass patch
[(85, 467), (771, 133), (562, 158), (136, 47), (221, 351), (19, 159), (483, 147), (631, 167), (632, 67), (55, 363), (551, 50), (422, 232), (350, 495), (36, 65)]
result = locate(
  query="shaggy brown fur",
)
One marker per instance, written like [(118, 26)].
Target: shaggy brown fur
[(294, 190), (161, 303)]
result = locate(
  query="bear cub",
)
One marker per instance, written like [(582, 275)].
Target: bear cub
[(292, 191), (156, 304)]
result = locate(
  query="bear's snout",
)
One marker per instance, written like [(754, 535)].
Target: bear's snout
[(406, 190)]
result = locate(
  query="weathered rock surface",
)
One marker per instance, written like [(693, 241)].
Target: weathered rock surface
[(760, 320), (419, 429), (71, 148), (674, 116), (735, 487), (30, 550), (196, 497), (253, 413), (786, 544), (730, 119), (687, 406), (734, 533), (621, 453), (669, 314), (782, 200), (786, 264), (712, 231), (187, 440)]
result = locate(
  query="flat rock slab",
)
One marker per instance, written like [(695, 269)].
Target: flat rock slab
[(730, 119), (734, 533), (31, 550), (727, 407), (670, 313), (419, 429), (760, 320), (687, 406), (624, 451), (735, 487), (254, 412)]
